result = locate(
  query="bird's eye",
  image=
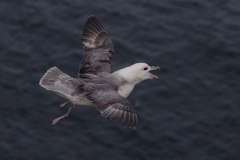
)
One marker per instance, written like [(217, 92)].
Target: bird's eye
[(145, 68)]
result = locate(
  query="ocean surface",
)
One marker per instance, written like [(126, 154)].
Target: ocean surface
[(192, 112)]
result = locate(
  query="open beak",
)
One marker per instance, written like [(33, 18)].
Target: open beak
[(154, 68)]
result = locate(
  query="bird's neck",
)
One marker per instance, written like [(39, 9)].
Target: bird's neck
[(129, 80), (129, 76)]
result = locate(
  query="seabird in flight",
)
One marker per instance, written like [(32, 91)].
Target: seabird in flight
[(96, 86)]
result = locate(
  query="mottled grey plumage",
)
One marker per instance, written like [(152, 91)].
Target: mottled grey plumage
[(114, 107), (98, 49), (96, 86)]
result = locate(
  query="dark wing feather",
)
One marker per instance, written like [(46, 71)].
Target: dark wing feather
[(114, 107), (98, 49)]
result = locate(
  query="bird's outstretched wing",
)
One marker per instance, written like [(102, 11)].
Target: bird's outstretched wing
[(98, 49), (114, 107)]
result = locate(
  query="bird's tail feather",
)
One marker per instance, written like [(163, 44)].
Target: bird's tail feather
[(58, 82)]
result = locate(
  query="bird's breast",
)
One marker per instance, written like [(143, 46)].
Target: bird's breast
[(125, 90)]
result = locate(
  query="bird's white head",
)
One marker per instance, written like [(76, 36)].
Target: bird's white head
[(139, 72)]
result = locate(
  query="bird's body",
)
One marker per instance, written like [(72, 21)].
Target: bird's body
[(96, 86)]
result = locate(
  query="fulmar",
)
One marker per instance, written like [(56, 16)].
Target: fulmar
[(96, 86)]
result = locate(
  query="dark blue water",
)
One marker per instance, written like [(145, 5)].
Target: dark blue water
[(192, 112)]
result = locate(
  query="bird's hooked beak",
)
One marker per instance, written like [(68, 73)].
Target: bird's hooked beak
[(154, 68)]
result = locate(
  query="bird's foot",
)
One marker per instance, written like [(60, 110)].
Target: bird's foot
[(64, 104), (55, 121)]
